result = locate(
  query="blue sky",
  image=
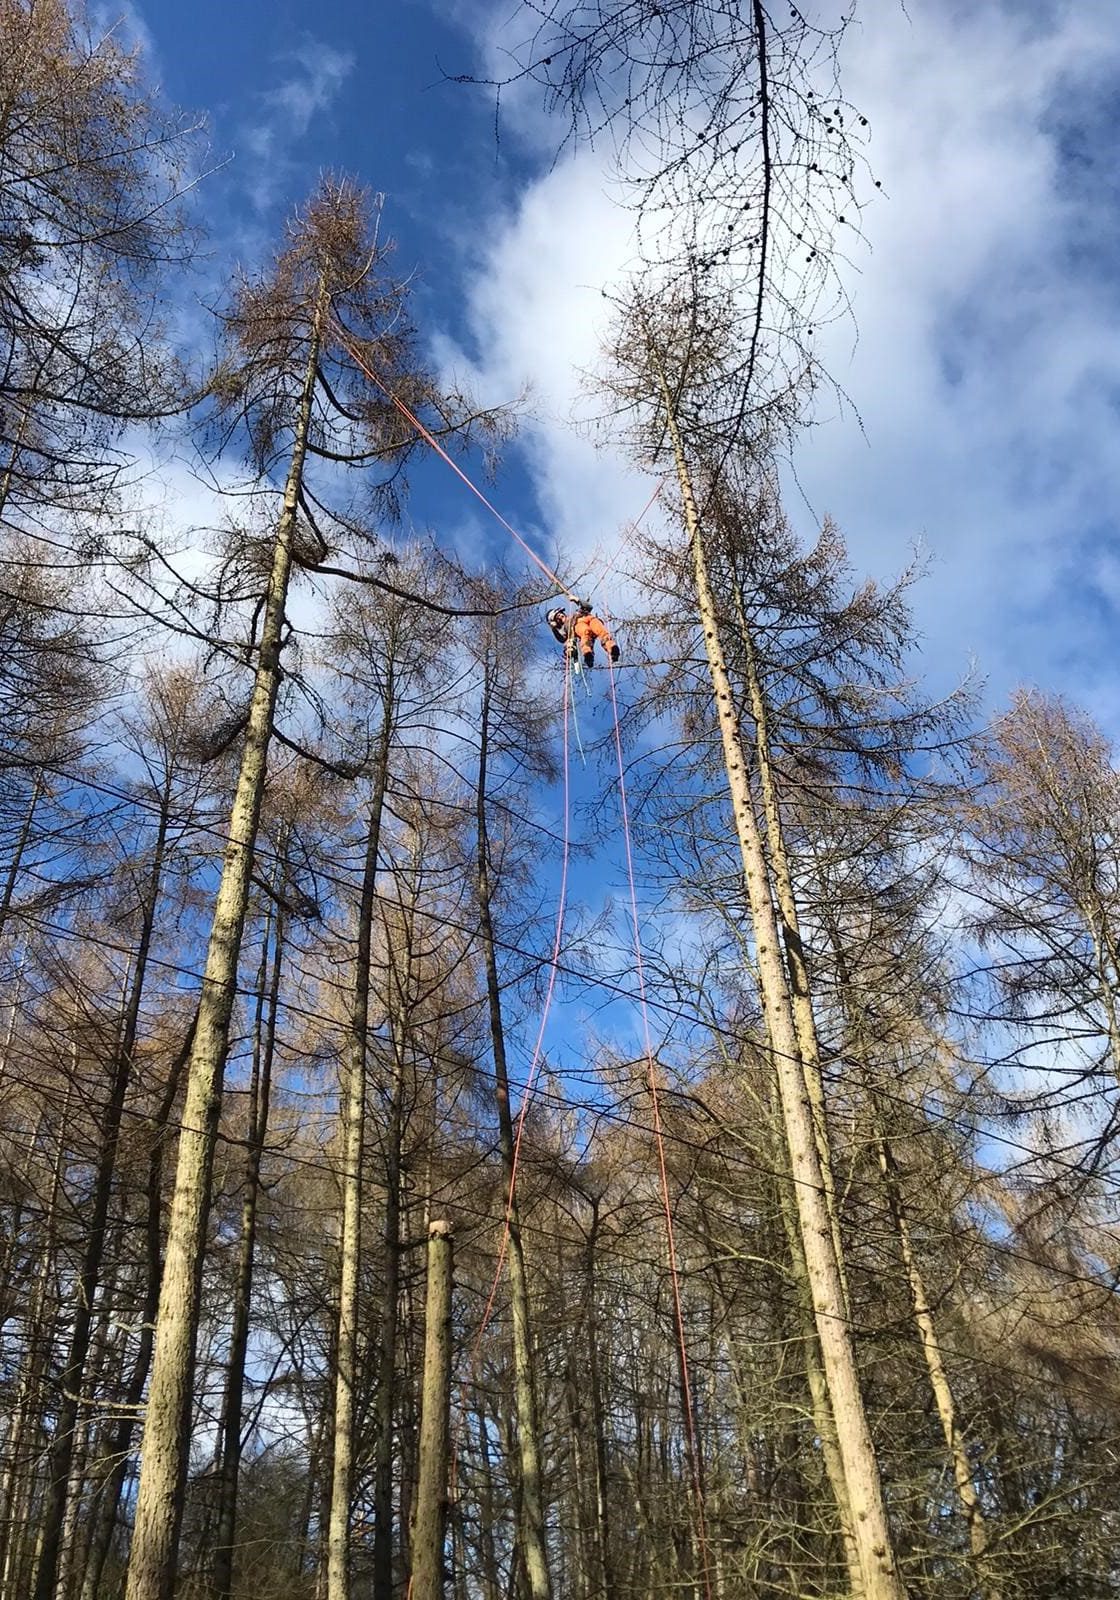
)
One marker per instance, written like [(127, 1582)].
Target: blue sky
[(289, 90)]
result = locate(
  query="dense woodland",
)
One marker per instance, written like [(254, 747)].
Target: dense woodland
[(805, 1285)]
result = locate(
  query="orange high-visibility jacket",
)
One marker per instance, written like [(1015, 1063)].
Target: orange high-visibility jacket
[(586, 630)]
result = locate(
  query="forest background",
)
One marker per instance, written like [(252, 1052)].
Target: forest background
[(702, 1346)]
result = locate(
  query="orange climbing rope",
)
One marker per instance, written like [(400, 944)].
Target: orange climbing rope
[(430, 438), (655, 1106)]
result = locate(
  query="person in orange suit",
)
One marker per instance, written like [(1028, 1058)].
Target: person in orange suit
[(579, 630)]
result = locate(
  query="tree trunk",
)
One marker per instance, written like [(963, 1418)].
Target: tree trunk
[(116, 1458), (823, 1420), (531, 1519), (935, 1365), (350, 1243), (386, 1405), (12, 876), (604, 1556), (881, 1580), (398, 978), (13, 1526), (801, 999), (61, 1456), (260, 1087), (159, 1505), (575, 1576), (14, 1228), (430, 1525), (488, 1554), (316, 1438), (942, 1389)]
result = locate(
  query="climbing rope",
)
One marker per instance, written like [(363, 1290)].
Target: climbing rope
[(430, 439)]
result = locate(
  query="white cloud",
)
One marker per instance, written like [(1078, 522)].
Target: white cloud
[(316, 74), (986, 366), (288, 109), (124, 23), (985, 361), (537, 315)]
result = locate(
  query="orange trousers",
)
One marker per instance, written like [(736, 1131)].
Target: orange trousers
[(585, 631)]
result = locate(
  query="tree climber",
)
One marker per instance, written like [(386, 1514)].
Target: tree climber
[(578, 630)]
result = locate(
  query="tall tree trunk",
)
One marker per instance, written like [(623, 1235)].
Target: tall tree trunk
[(8, 1256), (103, 1350), (823, 1419), (939, 1382), (60, 1460), (430, 1524), (531, 1520), (881, 1579), (12, 1483), (940, 1385), (260, 1087), (488, 1553), (575, 1575), (159, 1505), (316, 1440), (25, 412), (801, 999), (604, 1555), (350, 1243), (386, 1398), (115, 1465), (408, 1413)]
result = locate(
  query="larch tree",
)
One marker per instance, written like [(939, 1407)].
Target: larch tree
[(1044, 871), (384, 650), (680, 368), (291, 804), (93, 175), (429, 1532), (300, 342), (160, 733)]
